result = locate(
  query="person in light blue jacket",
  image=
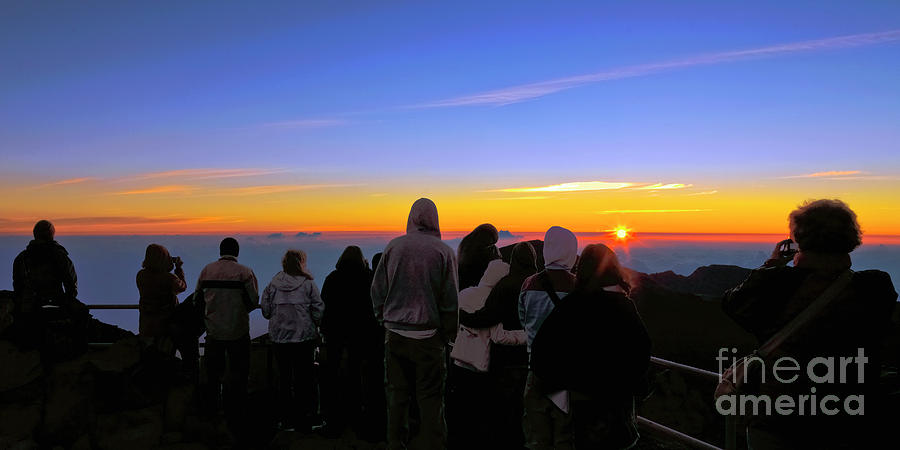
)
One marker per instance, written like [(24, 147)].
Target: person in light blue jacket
[(294, 308)]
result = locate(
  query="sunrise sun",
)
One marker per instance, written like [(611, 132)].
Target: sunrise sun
[(621, 233)]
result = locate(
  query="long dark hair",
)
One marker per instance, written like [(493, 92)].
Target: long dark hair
[(598, 268), (352, 260)]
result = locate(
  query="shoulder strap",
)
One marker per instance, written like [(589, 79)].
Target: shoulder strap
[(547, 284), (812, 311)]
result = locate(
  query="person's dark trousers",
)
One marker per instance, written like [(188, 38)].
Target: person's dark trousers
[(415, 367), (374, 422), (474, 420), (297, 389), (234, 392), (510, 387), (343, 383)]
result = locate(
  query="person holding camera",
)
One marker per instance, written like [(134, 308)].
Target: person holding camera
[(159, 288), (842, 313)]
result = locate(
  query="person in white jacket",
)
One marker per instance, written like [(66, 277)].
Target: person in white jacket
[(294, 308), (474, 389)]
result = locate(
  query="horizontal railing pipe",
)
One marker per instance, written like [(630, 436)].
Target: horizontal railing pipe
[(663, 430), (684, 368)]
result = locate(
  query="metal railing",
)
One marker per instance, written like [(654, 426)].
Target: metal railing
[(642, 422)]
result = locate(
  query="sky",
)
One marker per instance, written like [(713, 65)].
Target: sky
[(671, 117)]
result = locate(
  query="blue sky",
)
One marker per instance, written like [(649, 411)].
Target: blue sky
[(336, 92)]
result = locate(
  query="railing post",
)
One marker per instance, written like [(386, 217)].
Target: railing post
[(730, 432)]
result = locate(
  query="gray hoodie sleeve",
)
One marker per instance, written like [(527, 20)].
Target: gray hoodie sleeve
[(379, 288), (316, 305), (448, 304)]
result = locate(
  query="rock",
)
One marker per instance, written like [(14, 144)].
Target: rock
[(118, 357), (19, 420), (69, 409), (18, 368), (134, 430), (6, 310), (178, 403)]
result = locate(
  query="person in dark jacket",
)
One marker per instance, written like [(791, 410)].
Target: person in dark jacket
[(476, 250), (595, 347), (350, 330), (509, 364), (826, 231), (43, 274), (159, 289)]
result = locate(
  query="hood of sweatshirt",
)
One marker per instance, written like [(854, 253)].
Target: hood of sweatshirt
[(496, 270), (560, 248), (423, 218), (285, 282)]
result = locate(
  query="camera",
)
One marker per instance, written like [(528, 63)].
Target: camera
[(789, 249)]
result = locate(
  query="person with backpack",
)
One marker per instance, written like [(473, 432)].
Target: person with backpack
[(595, 347), (48, 314), (546, 420), (818, 308)]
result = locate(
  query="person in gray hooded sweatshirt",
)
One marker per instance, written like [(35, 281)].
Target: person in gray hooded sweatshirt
[(414, 294)]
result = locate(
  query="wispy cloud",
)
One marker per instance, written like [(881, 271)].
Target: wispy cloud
[(107, 221), (205, 174), (652, 211), (520, 93), (587, 186), (520, 198), (306, 124), (574, 186), (68, 181), (276, 188), (168, 189), (828, 174), (705, 192), (660, 186)]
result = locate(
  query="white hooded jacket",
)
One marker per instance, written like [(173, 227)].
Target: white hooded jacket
[(472, 347), (293, 307)]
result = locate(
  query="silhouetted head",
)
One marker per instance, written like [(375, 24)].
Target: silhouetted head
[(598, 268), (352, 260), (229, 247), (560, 248), (825, 226), (44, 231), (476, 250), (375, 260), (294, 263), (423, 218), (523, 259), (157, 259)]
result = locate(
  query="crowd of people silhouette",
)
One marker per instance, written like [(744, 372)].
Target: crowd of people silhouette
[(435, 348)]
